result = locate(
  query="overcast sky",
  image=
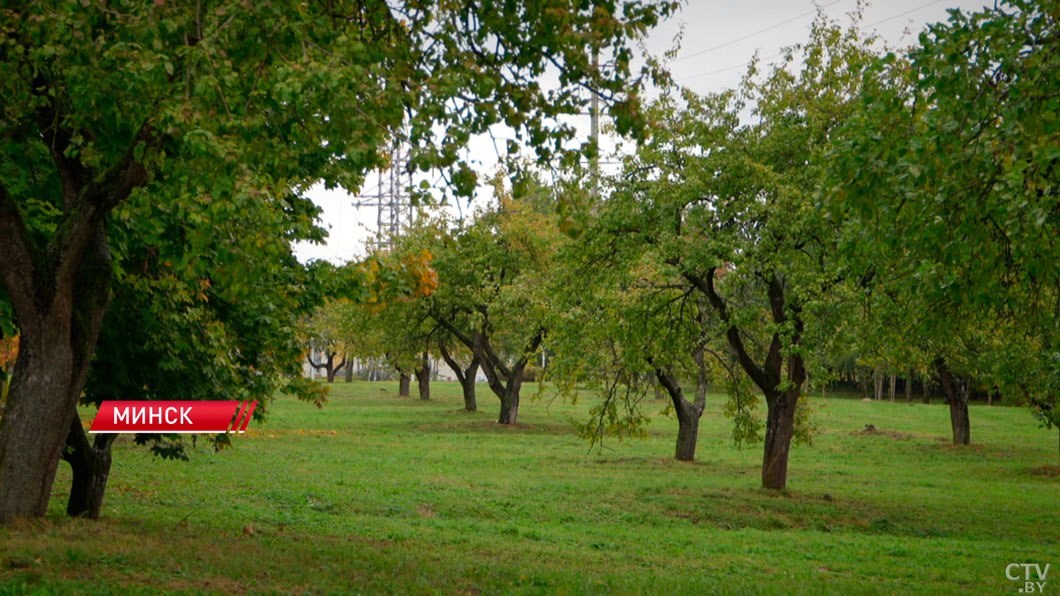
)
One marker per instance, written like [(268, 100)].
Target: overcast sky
[(720, 38)]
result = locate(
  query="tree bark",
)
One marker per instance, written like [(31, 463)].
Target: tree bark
[(349, 371), (90, 464), (468, 387), (909, 387), (60, 325), (780, 428), (510, 400), (688, 415), (891, 393), (927, 390), (877, 385), (423, 378), (465, 376), (404, 380), (957, 398)]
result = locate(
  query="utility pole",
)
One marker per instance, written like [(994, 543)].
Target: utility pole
[(594, 130)]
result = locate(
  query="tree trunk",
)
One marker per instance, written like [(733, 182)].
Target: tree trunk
[(891, 394), (688, 414), (687, 433), (404, 379), (59, 333), (510, 402), (349, 371), (909, 387), (468, 385), (962, 433), (90, 463), (780, 428), (330, 367), (423, 378), (957, 398), (465, 376), (927, 390), (877, 385), (495, 368)]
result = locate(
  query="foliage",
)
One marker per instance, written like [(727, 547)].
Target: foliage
[(495, 272), (944, 183), (717, 215)]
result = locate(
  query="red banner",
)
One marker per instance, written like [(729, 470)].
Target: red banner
[(173, 417)]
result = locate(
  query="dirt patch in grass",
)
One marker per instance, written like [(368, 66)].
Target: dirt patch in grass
[(1049, 471), (671, 463), (490, 426), (870, 430), (732, 509)]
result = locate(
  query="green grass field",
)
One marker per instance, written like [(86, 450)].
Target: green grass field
[(384, 495)]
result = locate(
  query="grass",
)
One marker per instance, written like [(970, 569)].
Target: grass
[(378, 494)]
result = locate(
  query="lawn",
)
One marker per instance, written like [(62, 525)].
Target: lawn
[(378, 494)]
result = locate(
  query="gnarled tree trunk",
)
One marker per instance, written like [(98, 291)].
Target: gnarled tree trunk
[(957, 398), (780, 428), (404, 380), (688, 413), (465, 376), (780, 417), (330, 366), (423, 377), (505, 381), (90, 463), (60, 310)]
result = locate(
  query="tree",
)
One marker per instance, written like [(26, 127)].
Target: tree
[(324, 337), (625, 324), (728, 208), (493, 283), (205, 111), (944, 182)]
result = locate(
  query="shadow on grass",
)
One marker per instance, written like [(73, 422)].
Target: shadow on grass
[(760, 509), (489, 425)]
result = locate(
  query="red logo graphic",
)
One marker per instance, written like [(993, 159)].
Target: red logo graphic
[(173, 417)]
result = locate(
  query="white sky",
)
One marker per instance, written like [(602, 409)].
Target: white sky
[(720, 38)]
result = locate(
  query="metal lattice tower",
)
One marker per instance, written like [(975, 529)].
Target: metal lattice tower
[(390, 198)]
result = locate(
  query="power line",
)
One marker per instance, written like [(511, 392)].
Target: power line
[(759, 32), (901, 14), (863, 29)]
